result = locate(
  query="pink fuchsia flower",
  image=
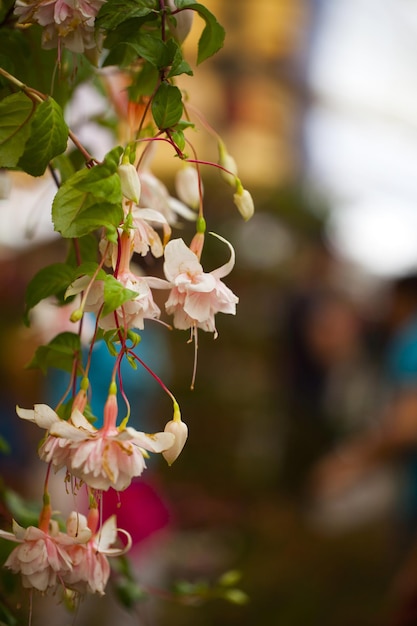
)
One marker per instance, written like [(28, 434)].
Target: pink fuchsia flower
[(133, 312), (145, 237), (101, 458), (90, 566), (69, 23), (42, 557), (196, 296)]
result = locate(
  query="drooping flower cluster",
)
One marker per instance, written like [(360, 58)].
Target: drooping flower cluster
[(76, 559), (118, 208)]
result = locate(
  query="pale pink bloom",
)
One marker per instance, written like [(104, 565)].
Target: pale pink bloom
[(196, 296), (69, 23), (133, 312), (145, 237), (107, 457), (42, 558), (52, 449), (90, 566)]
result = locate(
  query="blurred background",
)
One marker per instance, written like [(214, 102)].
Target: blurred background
[(301, 467)]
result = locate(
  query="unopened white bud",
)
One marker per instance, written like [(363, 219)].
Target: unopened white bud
[(187, 186), (129, 179), (227, 161), (184, 21), (244, 202), (180, 431)]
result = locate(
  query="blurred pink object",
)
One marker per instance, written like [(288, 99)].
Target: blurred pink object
[(140, 510)]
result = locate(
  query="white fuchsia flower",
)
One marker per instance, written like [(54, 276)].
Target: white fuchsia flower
[(69, 23), (102, 458), (196, 296), (41, 557)]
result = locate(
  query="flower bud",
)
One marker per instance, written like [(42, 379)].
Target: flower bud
[(227, 161), (180, 431), (187, 186), (244, 202), (197, 244), (130, 181), (184, 21)]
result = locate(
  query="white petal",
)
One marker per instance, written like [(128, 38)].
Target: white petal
[(68, 431), (77, 286), (42, 415), (227, 267), (156, 442), (179, 259), (79, 421)]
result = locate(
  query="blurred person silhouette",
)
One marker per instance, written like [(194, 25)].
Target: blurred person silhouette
[(390, 440), (331, 380)]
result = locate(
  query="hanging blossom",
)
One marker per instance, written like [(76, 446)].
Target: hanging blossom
[(196, 296), (102, 458), (76, 559), (90, 569), (132, 313), (69, 23), (42, 557)]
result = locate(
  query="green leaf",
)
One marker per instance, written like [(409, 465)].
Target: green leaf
[(15, 118), (121, 54), (167, 106), (58, 353), (212, 37), (114, 12), (25, 513), (179, 139), (90, 199), (52, 280), (178, 63), (48, 138), (115, 294), (149, 46)]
